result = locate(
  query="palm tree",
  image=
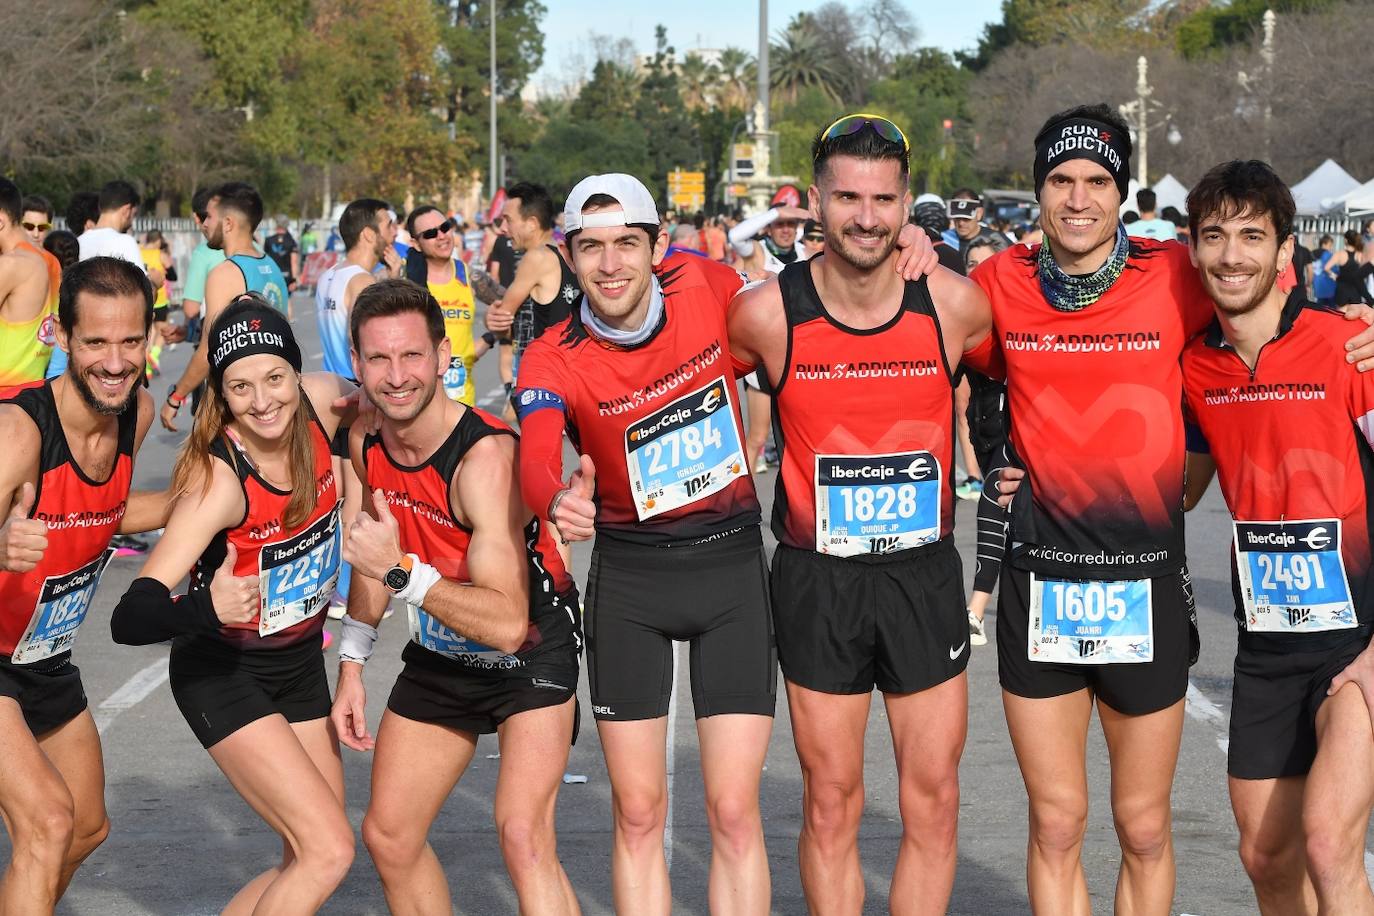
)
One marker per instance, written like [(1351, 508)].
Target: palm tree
[(698, 81), (736, 78), (799, 61)]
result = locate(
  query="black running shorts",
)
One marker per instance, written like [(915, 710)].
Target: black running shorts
[(49, 693), (1274, 701), (713, 595), (1133, 688), (893, 621), (434, 690), (220, 688)]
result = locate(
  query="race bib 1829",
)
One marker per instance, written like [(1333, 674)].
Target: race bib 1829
[(296, 575), (63, 602), (684, 451), (1090, 623), (876, 503), (1292, 579)]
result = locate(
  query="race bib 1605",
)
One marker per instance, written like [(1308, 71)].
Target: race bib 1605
[(1076, 622)]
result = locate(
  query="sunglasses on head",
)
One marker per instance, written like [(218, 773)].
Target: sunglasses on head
[(445, 226), (37, 227), (852, 124)]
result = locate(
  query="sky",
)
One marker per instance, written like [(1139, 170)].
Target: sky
[(720, 24)]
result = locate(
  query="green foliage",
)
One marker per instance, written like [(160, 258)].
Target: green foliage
[(1216, 27)]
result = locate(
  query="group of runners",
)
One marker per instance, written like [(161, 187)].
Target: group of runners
[(1126, 362)]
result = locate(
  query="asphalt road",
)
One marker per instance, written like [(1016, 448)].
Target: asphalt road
[(183, 841)]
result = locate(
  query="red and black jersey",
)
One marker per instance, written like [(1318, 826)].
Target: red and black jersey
[(864, 424), (297, 567), (1291, 439), (661, 420), (419, 498), (41, 609), (1095, 405)]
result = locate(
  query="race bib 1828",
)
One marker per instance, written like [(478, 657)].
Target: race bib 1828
[(876, 503), (684, 451), (1090, 623), (1292, 579), (296, 575), (63, 602)]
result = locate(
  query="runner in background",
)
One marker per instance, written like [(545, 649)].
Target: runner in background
[(203, 260), (29, 280)]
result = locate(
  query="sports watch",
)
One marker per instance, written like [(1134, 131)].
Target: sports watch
[(398, 576)]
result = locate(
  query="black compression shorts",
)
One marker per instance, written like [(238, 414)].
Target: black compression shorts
[(1274, 701), (220, 689), (1131, 688), (438, 692), (713, 595), (49, 693), (892, 621)]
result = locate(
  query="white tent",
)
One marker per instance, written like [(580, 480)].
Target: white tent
[(1327, 182), (1357, 200), (1170, 192)]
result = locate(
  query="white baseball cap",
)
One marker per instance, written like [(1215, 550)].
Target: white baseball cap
[(929, 199), (637, 204)]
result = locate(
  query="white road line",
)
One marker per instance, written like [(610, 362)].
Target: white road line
[(492, 397), (1209, 713), (670, 751), (130, 694)]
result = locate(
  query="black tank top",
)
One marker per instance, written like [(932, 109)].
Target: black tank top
[(1350, 280), (548, 314)]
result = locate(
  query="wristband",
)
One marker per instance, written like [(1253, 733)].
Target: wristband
[(174, 399), (356, 640), (422, 579), (490, 338)]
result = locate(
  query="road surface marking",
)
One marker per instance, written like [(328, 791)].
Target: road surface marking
[(130, 694)]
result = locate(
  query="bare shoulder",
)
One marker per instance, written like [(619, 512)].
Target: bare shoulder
[(145, 416), (958, 298), (17, 429)]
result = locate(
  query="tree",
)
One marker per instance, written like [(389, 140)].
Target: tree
[(671, 137), (737, 77), (799, 61), (1095, 23), (1214, 27), (699, 81), (608, 96)]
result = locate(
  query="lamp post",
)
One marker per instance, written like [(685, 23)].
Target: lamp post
[(492, 140), (1137, 114), (762, 125)]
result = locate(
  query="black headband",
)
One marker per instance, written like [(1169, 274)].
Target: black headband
[(248, 327), (1083, 138)]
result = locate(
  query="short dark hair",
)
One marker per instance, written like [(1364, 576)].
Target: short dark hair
[(535, 203), (11, 201), (419, 212), (967, 194), (1130, 216), (1242, 186), (598, 201), (200, 201), (866, 143), (1325, 240), (82, 207), (1145, 199), (243, 199), (102, 276), (386, 298), (33, 203), (64, 246), (118, 193), (359, 215), (1172, 215)]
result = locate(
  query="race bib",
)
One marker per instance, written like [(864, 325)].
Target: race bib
[(1090, 623), (456, 378), (685, 451), (63, 602), (429, 633), (296, 575), (1292, 579), (876, 503)]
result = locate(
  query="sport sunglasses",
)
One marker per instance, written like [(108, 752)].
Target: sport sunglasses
[(852, 124), (37, 227), (445, 226)]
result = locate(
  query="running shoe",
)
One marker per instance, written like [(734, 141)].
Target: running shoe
[(126, 545), (971, 488), (977, 634), (761, 465)]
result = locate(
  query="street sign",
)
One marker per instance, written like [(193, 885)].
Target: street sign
[(687, 190), (743, 160)]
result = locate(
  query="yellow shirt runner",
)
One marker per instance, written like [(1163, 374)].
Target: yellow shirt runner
[(456, 302)]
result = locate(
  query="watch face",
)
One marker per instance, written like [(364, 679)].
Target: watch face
[(396, 579)]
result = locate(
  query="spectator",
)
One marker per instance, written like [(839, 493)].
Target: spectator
[(1323, 283), (37, 221), (966, 214), (1350, 268), (1180, 222), (281, 247), (1148, 225), (813, 238), (110, 237)]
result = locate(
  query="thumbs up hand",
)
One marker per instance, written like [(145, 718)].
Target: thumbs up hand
[(235, 598), (373, 544), (573, 510), (23, 540)]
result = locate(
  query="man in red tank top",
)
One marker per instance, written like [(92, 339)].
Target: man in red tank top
[(494, 621), (65, 497), (867, 586)]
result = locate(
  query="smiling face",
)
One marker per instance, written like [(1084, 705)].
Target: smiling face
[(399, 365), (263, 393), (439, 248), (1239, 257), (862, 204), (1078, 212), (108, 348), (614, 266)]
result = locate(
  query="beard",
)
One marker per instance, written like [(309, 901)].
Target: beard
[(1235, 307), (404, 413), (93, 400), (215, 238), (837, 243)]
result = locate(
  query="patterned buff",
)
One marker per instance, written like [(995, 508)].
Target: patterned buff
[(1072, 294)]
